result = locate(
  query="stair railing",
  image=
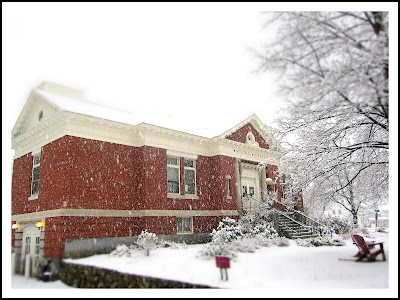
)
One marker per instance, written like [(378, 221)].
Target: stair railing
[(292, 231), (314, 225)]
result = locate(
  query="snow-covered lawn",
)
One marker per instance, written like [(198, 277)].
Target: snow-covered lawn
[(273, 269)]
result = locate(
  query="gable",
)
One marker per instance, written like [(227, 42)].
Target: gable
[(248, 134), (35, 111)]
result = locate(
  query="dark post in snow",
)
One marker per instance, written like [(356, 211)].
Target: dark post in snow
[(376, 219), (223, 264)]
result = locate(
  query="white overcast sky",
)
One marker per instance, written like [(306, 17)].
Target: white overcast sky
[(172, 61), (175, 63)]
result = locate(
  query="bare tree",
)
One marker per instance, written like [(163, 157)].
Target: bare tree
[(334, 71), (351, 195)]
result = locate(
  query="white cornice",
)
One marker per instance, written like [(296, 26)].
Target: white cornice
[(72, 212), (67, 123)]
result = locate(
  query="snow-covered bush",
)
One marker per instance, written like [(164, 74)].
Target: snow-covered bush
[(213, 249), (280, 241), (120, 250), (172, 245), (320, 241), (227, 231), (339, 225), (245, 244), (258, 216), (148, 241), (265, 230)]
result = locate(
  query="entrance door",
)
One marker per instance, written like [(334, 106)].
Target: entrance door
[(249, 192), (31, 246)]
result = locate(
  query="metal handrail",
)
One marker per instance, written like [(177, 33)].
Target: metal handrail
[(301, 224), (291, 229), (299, 212), (329, 228), (294, 211)]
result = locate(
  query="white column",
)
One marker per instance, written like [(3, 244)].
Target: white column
[(27, 265), (13, 262)]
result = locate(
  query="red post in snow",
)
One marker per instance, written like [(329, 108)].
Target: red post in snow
[(223, 264)]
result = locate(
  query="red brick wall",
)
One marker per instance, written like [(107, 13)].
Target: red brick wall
[(89, 174), (58, 229), (21, 185), (151, 165), (203, 224), (160, 225), (100, 175), (77, 173), (221, 166), (240, 135)]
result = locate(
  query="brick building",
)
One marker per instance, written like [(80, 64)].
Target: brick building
[(86, 177)]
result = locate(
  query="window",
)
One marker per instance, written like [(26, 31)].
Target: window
[(28, 245), (339, 211), (228, 187), (37, 249), (173, 174), (251, 191), (184, 225), (35, 174), (190, 176), (282, 188), (333, 212)]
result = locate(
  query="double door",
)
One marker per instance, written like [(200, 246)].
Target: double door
[(249, 193), (31, 247)]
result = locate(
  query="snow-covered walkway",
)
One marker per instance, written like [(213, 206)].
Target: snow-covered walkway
[(268, 271)]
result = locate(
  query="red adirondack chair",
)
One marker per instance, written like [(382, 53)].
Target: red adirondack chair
[(370, 244), (366, 250)]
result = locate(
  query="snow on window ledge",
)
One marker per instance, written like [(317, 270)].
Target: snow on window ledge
[(178, 196), (33, 197)]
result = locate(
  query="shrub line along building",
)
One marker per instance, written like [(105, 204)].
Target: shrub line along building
[(86, 177)]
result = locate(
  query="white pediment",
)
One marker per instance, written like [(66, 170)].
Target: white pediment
[(35, 111)]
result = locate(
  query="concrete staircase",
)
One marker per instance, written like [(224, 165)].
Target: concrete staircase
[(293, 229)]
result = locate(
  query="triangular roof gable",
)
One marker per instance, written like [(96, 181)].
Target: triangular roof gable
[(252, 124), (35, 110)]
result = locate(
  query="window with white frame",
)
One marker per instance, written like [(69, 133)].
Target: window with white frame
[(184, 225), (173, 174), (35, 174), (190, 176), (282, 188), (37, 244), (228, 187)]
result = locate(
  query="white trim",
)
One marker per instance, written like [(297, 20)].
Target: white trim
[(179, 196), (63, 123), (70, 212), (36, 151), (33, 197), (182, 154)]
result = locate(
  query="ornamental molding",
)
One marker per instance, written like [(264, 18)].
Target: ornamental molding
[(72, 212)]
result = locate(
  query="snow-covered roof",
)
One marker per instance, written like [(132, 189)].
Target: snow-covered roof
[(72, 100), (81, 106)]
